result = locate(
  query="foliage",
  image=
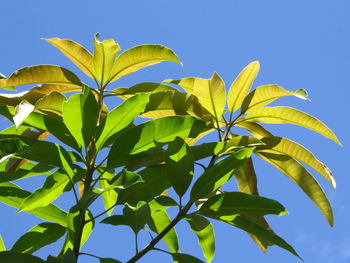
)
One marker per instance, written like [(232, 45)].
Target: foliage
[(104, 154)]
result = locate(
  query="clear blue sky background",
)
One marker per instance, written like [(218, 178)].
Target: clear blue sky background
[(300, 44)]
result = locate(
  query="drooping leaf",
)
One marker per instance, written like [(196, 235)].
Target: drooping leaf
[(14, 257), (38, 237), (145, 87), (76, 53), (121, 117), (241, 86), (137, 216), (230, 203), (213, 178), (2, 76), (139, 57), (41, 74), (22, 112), (51, 104), (205, 233), (144, 137), (80, 114), (2, 245), (179, 165), (302, 178), (185, 258), (264, 95), (289, 115), (13, 195), (277, 145)]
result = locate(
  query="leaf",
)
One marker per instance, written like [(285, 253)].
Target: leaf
[(213, 178), (76, 53), (260, 232), (137, 216), (115, 220), (145, 87), (120, 117), (55, 184), (80, 114), (74, 218), (302, 178), (13, 257), (264, 95), (144, 137), (290, 115), (139, 57), (22, 112), (2, 245), (179, 165), (2, 76), (170, 103), (104, 57), (241, 86), (205, 233), (231, 203), (38, 237), (51, 104), (109, 197), (109, 260), (11, 145), (13, 195), (185, 258), (278, 145), (43, 74)]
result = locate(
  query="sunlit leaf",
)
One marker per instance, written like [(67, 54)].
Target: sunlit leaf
[(51, 104), (13, 195), (241, 86), (289, 115), (76, 53), (264, 95), (22, 112), (205, 233), (2, 244), (213, 178), (2, 76), (179, 165), (109, 197), (38, 237), (104, 57), (145, 87), (144, 137), (139, 57), (14, 257), (41, 74), (302, 178)]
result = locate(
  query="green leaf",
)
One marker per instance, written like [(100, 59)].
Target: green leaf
[(205, 233), (109, 197), (54, 185), (11, 145), (38, 237), (137, 216), (290, 115), (139, 57), (14, 257), (76, 53), (109, 260), (74, 218), (116, 220), (259, 231), (104, 57), (2, 76), (185, 258), (144, 137), (80, 114), (179, 165), (161, 203), (26, 170), (213, 178), (302, 178), (231, 203), (278, 145), (120, 117), (241, 86), (43, 74), (13, 195), (264, 95), (145, 87), (2, 245), (170, 103), (51, 104)]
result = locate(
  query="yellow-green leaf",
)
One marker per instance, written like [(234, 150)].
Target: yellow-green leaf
[(104, 57), (302, 178), (279, 145), (51, 104), (139, 57), (264, 95), (2, 76), (76, 53), (290, 115), (241, 86), (2, 244), (43, 74)]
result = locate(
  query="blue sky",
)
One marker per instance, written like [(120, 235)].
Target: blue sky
[(300, 44)]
